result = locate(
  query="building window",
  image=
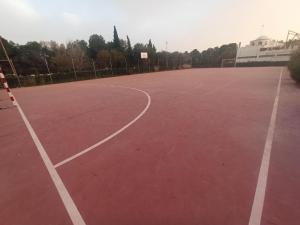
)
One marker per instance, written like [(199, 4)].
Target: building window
[(265, 56), (247, 57), (283, 54)]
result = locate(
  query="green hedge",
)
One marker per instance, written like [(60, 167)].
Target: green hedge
[(294, 65)]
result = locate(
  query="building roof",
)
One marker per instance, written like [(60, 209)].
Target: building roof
[(263, 38)]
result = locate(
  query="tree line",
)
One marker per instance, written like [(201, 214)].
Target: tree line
[(97, 53)]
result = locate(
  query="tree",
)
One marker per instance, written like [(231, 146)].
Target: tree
[(174, 60), (96, 43), (186, 60), (77, 52), (53, 45), (61, 60), (12, 51), (116, 40), (129, 52), (103, 59), (118, 59), (137, 49), (110, 45), (196, 58), (212, 57), (228, 51), (164, 59), (294, 65), (129, 48), (207, 57), (83, 45), (29, 59), (151, 51)]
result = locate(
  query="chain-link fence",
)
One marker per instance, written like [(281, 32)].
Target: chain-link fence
[(61, 77)]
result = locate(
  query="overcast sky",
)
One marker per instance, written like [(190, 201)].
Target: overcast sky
[(185, 24)]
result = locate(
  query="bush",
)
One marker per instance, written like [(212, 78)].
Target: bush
[(294, 65)]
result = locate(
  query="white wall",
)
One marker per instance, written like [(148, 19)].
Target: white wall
[(253, 54)]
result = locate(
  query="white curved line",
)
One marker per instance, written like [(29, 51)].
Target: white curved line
[(112, 135)]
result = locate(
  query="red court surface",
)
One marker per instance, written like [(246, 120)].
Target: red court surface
[(182, 148)]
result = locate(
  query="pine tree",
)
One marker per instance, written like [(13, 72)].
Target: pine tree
[(129, 45), (129, 52), (116, 41), (150, 46)]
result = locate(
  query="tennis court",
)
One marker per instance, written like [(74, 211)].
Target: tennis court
[(167, 148)]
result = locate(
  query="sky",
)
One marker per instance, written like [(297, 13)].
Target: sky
[(185, 25)]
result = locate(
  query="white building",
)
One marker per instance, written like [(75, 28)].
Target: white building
[(264, 49)]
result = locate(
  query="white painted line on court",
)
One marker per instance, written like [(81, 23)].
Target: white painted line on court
[(112, 135), (259, 197), (62, 191)]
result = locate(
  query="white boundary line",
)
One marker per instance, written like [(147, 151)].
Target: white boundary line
[(112, 135), (62, 191), (259, 197)]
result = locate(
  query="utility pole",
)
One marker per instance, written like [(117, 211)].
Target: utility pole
[(180, 62), (46, 62), (94, 68), (167, 62), (72, 51), (10, 62), (74, 68), (47, 66), (13, 66), (110, 63), (126, 64)]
